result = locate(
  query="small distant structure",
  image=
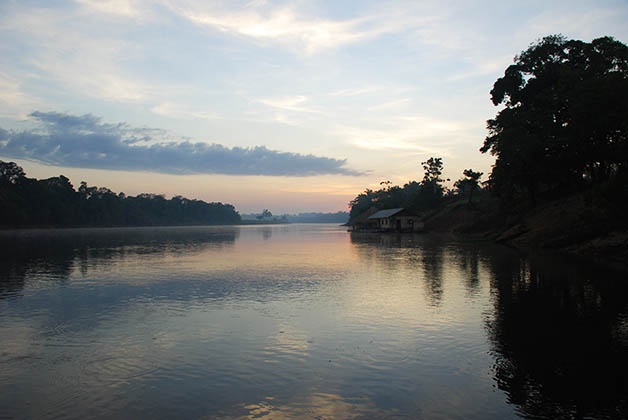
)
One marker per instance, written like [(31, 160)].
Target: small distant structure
[(388, 220), (397, 220)]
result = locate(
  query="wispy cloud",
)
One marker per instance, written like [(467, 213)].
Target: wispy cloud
[(14, 102), (61, 50), (391, 105), (86, 142), (311, 34), (412, 134), (280, 24), (355, 91), (289, 103), (173, 110), (570, 19), (126, 8)]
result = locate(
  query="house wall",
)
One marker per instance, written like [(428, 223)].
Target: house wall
[(384, 223), (408, 223)]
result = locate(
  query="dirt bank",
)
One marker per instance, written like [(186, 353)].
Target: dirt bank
[(575, 225)]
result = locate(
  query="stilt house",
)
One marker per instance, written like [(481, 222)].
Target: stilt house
[(397, 220)]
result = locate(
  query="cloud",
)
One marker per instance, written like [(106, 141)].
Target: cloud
[(86, 142), (289, 103), (184, 112), (281, 24), (309, 33), (409, 134), (356, 91), (61, 49), (124, 8), (14, 101)]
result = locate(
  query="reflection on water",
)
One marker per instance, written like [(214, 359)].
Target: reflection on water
[(302, 321), (53, 254), (316, 406), (558, 333)]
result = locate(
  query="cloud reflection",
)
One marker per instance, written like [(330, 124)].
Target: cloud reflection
[(318, 405)]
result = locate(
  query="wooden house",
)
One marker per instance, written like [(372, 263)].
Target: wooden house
[(397, 220)]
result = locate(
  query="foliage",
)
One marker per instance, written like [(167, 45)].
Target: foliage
[(433, 168), (11, 173), (266, 214), (565, 118), (431, 191), (418, 196), (469, 183), (54, 202)]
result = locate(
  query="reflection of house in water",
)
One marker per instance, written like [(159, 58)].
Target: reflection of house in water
[(362, 221), (389, 220)]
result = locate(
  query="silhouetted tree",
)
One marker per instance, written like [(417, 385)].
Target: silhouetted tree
[(469, 183), (266, 214), (431, 191), (10, 172), (565, 117)]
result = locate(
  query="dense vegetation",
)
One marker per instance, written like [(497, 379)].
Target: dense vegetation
[(562, 130), (564, 125), (26, 202), (417, 196)]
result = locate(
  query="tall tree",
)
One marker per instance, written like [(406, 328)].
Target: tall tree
[(565, 117), (431, 190), (469, 183)]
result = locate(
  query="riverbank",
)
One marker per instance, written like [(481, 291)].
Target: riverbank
[(575, 224)]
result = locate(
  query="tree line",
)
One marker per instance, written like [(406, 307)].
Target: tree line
[(562, 129), (418, 196), (29, 202)]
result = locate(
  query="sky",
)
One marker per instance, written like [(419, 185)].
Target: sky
[(294, 106)]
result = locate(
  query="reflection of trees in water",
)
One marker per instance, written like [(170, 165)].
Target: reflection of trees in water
[(21, 258), (390, 251), (558, 331), (432, 258), (380, 241), (468, 259), (52, 254), (559, 340), (267, 232), (425, 253)]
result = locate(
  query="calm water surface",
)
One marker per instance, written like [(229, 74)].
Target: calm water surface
[(303, 321)]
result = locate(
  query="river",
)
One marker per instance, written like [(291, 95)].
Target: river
[(303, 321)]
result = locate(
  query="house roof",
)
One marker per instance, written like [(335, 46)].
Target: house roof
[(383, 214)]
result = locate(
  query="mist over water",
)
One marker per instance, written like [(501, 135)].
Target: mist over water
[(303, 321)]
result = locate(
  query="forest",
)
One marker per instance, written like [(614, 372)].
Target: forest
[(562, 130), (53, 202)]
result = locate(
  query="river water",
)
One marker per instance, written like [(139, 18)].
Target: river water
[(303, 321)]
